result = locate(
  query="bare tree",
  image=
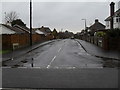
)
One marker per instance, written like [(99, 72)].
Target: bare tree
[(9, 17)]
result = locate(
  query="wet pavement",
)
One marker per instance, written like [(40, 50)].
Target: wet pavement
[(60, 64), (67, 53), (22, 51), (98, 51)]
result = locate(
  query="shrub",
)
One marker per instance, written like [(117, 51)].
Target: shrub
[(100, 34), (113, 33)]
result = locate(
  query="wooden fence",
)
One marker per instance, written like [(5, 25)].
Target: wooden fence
[(15, 41)]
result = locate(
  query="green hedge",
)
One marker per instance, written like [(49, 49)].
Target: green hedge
[(113, 33)]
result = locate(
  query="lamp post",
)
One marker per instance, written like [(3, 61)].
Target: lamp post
[(30, 22), (85, 23)]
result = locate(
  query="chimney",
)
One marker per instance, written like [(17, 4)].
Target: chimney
[(8, 23), (96, 20), (111, 14)]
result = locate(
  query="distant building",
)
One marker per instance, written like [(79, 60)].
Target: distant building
[(96, 27), (45, 30), (113, 21)]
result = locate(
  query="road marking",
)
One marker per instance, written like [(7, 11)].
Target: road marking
[(59, 50), (51, 62)]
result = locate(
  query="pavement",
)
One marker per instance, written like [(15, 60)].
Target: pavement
[(22, 51), (99, 52), (35, 78), (88, 47), (65, 53), (59, 65)]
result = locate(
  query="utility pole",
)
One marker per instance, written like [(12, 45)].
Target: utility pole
[(30, 23)]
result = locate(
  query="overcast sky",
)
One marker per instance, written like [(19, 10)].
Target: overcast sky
[(60, 15)]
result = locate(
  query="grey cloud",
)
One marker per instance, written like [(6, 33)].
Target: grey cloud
[(66, 15)]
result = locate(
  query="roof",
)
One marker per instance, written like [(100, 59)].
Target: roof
[(16, 30), (44, 30), (39, 32), (23, 28), (97, 26), (117, 13)]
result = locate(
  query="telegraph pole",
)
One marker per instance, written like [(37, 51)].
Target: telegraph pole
[(30, 22)]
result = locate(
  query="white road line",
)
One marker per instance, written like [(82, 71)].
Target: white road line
[(59, 50), (51, 61)]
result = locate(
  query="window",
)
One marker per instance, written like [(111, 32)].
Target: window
[(117, 19)]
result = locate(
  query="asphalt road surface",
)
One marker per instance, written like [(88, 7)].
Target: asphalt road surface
[(66, 53), (60, 64)]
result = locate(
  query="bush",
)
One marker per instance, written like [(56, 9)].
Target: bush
[(113, 33), (100, 34)]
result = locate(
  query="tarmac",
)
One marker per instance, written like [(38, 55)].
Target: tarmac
[(88, 47), (22, 51), (37, 78)]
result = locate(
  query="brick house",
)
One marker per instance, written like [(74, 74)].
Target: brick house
[(95, 27), (46, 31)]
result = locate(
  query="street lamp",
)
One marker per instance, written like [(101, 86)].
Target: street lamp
[(85, 23)]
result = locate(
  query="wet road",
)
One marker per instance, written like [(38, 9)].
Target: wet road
[(60, 64), (66, 53)]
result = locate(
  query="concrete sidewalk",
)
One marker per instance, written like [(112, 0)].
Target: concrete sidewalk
[(99, 52), (23, 51)]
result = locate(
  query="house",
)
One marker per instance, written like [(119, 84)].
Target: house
[(13, 38), (95, 27), (113, 21), (23, 28), (37, 36), (46, 31)]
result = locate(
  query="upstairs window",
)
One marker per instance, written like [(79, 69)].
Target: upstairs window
[(117, 19)]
